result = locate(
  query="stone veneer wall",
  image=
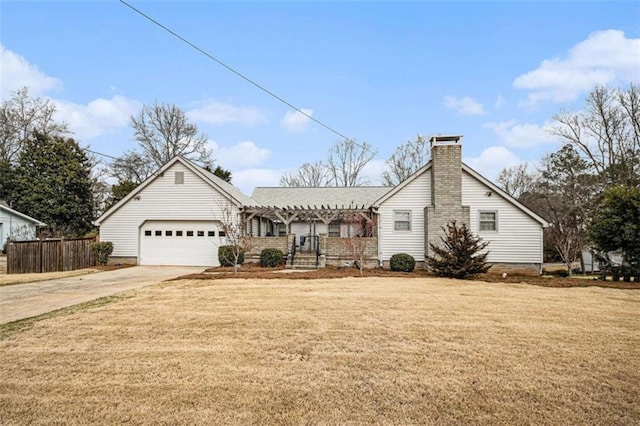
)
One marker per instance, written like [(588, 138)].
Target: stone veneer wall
[(257, 244), (336, 252), (446, 193)]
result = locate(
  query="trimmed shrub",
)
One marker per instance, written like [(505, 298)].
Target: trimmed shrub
[(271, 257), (402, 262), (227, 256), (102, 251)]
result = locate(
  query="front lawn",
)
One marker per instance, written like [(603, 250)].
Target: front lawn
[(331, 351)]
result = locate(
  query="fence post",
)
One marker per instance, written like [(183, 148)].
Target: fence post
[(40, 250)]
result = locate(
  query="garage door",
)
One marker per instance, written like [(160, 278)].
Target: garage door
[(189, 243)]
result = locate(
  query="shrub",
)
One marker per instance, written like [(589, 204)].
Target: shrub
[(101, 251), (227, 255), (459, 257), (271, 257), (402, 262)]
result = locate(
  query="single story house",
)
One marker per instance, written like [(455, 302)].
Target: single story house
[(177, 216), (16, 225)]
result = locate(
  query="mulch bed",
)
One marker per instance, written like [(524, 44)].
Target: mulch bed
[(254, 271)]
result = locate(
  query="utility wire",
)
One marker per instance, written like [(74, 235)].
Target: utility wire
[(244, 77)]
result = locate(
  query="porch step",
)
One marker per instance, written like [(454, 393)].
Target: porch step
[(306, 261)]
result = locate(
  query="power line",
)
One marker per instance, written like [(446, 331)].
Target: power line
[(244, 77)]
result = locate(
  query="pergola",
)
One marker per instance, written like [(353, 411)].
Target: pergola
[(299, 213)]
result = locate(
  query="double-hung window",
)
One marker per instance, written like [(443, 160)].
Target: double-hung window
[(401, 220), (488, 221)]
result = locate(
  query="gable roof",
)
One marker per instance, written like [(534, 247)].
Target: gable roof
[(476, 176), (315, 196), (6, 208), (233, 193)]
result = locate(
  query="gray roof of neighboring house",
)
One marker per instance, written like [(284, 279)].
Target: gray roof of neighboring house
[(327, 196), (4, 206)]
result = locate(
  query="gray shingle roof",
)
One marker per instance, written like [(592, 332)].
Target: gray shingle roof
[(230, 189), (327, 196)]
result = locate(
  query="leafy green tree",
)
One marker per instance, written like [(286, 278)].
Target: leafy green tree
[(460, 254), (616, 225), (567, 188), (119, 191), (223, 174), (53, 184)]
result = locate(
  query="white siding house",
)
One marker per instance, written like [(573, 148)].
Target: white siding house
[(176, 216), (16, 225), (411, 196), (514, 232), (173, 218)]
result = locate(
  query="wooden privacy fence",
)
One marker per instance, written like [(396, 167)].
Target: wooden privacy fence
[(49, 255)]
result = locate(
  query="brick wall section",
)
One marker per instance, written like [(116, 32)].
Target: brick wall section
[(257, 244), (336, 252), (446, 193)]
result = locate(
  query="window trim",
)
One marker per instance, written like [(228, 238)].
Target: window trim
[(495, 221), (395, 221)]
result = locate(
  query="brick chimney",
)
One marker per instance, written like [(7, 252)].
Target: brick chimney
[(446, 189)]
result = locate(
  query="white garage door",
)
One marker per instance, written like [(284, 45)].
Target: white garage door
[(180, 243)]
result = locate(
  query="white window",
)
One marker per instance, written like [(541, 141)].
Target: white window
[(402, 220), (334, 229), (488, 221)]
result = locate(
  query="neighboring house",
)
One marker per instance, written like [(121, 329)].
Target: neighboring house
[(16, 225), (175, 217)]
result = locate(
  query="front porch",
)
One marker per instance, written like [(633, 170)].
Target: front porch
[(313, 237)]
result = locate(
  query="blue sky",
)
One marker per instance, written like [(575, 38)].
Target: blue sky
[(380, 72)]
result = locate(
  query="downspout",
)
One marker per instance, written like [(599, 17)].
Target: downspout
[(374, 212)]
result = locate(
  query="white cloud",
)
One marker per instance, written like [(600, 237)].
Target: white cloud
[(604, 57), (492, 160), (243, 154), (98, 116), (464, 106), (522, 135), (216, 113), (373, 171), (16, 72), (294, 121), (248, 179)]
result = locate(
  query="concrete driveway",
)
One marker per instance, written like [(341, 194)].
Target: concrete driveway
[(27, 300)]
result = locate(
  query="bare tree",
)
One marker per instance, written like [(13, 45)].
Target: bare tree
[(307, 175), (360, 244), (406, 160), (20, 117), (163, 131), (607, 133), (132, 167), (517, 180), (346, 160), (235, 233)]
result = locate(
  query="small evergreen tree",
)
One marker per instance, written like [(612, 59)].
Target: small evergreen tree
[(460, 256)]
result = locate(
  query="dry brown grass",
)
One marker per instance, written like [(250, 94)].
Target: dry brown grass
[(11, 279), (359, 351)]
